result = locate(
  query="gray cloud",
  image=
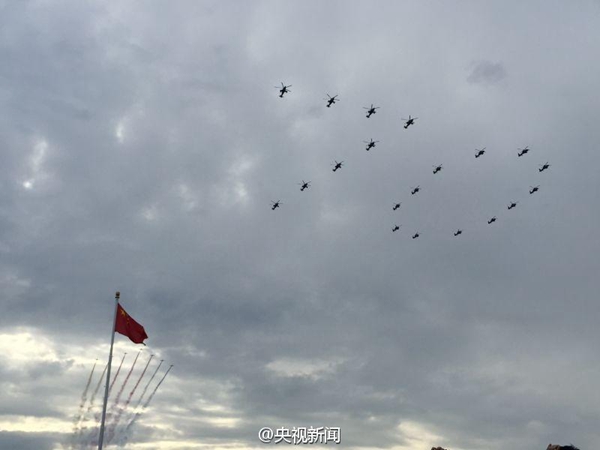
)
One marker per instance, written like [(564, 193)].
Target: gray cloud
[(486, 72), (142, 147), (27, 441)]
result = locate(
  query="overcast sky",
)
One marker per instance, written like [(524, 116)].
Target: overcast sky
[(142, 144)]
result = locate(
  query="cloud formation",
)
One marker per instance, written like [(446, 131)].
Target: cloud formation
[(142, 147), (486, 72)]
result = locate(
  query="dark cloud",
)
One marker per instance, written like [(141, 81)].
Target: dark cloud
[(486, 72), (142, 147), (27, 441)]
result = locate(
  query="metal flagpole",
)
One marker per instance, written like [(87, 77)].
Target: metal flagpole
[(112, 340)]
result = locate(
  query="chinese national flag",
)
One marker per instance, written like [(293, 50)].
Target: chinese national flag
[(129, 327)]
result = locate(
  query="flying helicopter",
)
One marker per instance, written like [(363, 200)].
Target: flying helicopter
[(534, 189), (522, 151), (396, 228), (370, 110), (543, 167), (512, 205), (304, 184), (459, 231), (492, 220), (437, 169), (275, 205), (416, 235), (415, 190), (338, 165), (370, 145), (409, 121), (283, 89), (479, 152), (396, 206), (331, 100)]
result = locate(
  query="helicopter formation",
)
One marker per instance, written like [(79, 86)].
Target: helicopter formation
[(304, 184), (409, 121), (371, 110), (337, 165), (370, 144), (331, 100), (283, 89)]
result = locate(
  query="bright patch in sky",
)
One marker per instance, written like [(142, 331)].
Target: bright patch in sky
[(32, 348), (287, 367), (419, 436), (120, 132), (187, 197), (29, 424), (150, 213), (36, 160)]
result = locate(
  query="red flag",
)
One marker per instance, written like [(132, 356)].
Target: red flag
[(129, 327)]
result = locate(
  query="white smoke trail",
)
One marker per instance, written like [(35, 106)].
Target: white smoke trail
[(77, 419), (81, 429), (139, 401), (122, 410), (93, 398), (136, 417), (147, 384), (113, 409), (126, 379), (116, 374), (94, 432), (157, 386)]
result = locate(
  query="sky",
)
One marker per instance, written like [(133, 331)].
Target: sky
[(143, 143)]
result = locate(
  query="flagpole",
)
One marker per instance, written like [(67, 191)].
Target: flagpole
[(112, 341)]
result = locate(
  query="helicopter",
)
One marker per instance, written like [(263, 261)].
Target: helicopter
[(304, 184), (415, 190), (512, 205), (543, 167), (396, 228), (283, 89), (409, 121), (437, 169), (370, 145), (480, 152), (371, 110), (459, 231), (331, 100), (416, 235), (338, 165), (492, 220), (534, 189), (396, 206), (275, 205), (522, 151)]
